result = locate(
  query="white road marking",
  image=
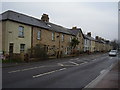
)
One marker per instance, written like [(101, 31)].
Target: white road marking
[(73, 63), (74, 59), (71, 59), (83, 63), (94, 60), (111, 57), (35, 76), (14, 71), (28, 69), (25, 69), (60, 64)]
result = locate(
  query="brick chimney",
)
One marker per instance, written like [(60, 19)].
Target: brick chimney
[(89, 34), (74, 28), (103, 39), (96, 37), (100, 38), (45, 18)]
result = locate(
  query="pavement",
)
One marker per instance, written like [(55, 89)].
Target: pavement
[(109, 79)]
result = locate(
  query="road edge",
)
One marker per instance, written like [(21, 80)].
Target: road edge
[(93, 83)]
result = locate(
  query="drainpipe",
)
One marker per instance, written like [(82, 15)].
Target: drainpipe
[(31, 39)]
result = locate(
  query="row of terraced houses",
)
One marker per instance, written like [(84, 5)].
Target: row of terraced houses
[(21, 32)]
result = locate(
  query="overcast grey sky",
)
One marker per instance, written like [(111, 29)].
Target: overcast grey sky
[(100, 18)]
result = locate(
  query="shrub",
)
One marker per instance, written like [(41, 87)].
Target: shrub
[(38, 51)]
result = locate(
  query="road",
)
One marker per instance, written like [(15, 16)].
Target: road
[(75, 72)]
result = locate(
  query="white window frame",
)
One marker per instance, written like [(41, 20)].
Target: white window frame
[(53, 36), (20, 31), (70, 39), (62, 37), (39, 35), (22, 48)]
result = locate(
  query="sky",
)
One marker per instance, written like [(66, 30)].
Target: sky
[(99, 18)]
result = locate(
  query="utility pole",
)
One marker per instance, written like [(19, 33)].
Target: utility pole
[(58, 53), (59, 46)]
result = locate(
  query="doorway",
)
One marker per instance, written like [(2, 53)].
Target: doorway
[(11, 45)]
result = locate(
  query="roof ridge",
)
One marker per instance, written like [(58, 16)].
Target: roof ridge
[(21, 14)]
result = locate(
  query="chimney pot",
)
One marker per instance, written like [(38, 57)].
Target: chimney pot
[(45, 18), (89, 34), (74, 27), (96, 37)]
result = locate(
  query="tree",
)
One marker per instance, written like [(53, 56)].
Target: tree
[(115, 44), (74, 43)]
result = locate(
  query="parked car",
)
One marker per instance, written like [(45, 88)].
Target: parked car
[(113, 53)]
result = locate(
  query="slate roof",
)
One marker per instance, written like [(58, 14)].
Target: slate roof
[(76, 31), (21, 18), (103, 41), (58, 28)]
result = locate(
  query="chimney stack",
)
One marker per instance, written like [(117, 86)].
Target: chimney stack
[(103, 39), (96, 37), (74, 27), (89, 34), (45, 18)]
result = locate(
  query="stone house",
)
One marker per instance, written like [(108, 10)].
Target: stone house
[(80, 37), (21, 32), (102, 45), (55, 38), (89, 43), (16, 33)]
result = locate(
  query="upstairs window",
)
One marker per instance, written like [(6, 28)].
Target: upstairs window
[(21, 31), (79, 34), (62, 37), (39, 35), (70, 39), (53, 36)]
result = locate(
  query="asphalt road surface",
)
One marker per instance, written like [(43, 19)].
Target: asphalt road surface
[(75, 72)]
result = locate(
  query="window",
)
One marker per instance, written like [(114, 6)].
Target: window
[(70, 39), (53, 36), (21, 31), (79, 35), (49, 25), (22, 47), (85, 42), (39, 35), (62, 37)]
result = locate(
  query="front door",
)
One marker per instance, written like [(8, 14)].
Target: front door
[(11, 47)]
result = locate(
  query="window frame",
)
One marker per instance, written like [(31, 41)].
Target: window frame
[(53, 36), (70, 39), (21, 31), (39, 35), (62, 37), (23, 48)]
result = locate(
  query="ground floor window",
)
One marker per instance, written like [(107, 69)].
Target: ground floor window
[(22, 47)]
